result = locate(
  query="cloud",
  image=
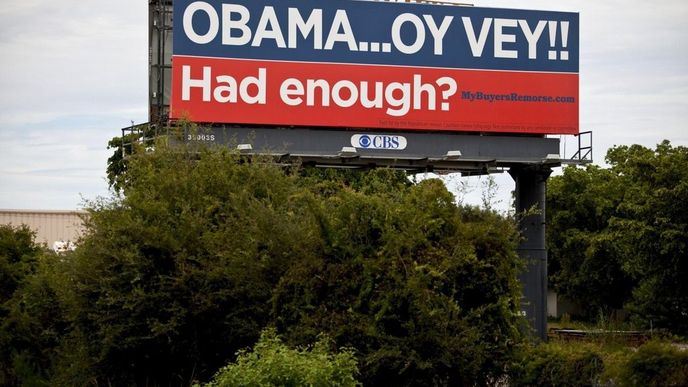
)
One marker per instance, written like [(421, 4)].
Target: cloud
[(73, 72), (72, 58)]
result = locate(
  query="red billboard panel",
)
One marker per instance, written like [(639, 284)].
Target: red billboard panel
[(374, 65)]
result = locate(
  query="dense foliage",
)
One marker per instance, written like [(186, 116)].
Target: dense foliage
[(656, 365), (585, 262), (18, 257), (29, 317), (135, 139), (425, 291), (619, 236), (589, 364), (272, 364), (555, 364), (204, 249)]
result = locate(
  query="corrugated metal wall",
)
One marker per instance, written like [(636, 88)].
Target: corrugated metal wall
[(50, 226)]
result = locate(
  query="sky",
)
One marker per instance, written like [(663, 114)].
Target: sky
[(72, 73)]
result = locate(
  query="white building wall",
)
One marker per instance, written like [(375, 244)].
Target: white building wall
[(49, 226), (552, 304)]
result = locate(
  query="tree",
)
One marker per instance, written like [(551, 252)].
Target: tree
[(202, 249), (651, 226), (177, 273), (139, 137), (424, 290), (29, 316), (18, 257), (585, 261), (619, 235)]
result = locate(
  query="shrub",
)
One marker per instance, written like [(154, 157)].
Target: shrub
[(424, 290), (558, 365), (656, 364), (28, 323), (203, 249), (593, 364), (271, 363)]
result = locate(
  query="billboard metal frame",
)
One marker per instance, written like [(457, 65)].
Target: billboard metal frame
[(467, 153), (159, 60)]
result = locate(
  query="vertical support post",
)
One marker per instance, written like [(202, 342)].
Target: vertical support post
[(531, 185)]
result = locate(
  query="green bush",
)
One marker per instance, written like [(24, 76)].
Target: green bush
[(203, 249), (423, 289), (271, 363), (558, 365), (173, 278), (617, 236), (18, 258), (656, 364), (29, 316), (604, 363)]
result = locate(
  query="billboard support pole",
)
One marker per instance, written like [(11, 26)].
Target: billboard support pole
[(531, 184)]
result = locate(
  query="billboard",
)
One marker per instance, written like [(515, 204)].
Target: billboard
[(364, 64)]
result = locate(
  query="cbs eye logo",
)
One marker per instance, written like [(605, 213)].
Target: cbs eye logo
[(387, 142), (364, 141)]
